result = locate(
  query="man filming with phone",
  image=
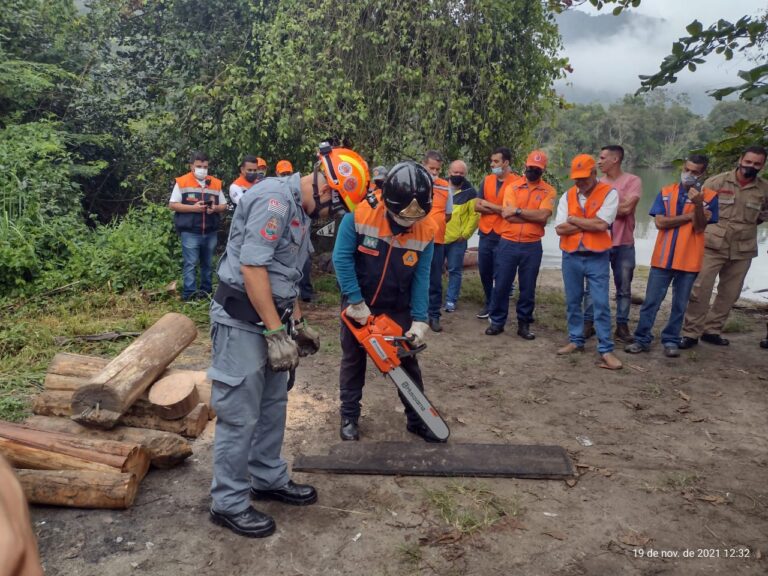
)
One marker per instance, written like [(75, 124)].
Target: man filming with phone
[(197, 200)]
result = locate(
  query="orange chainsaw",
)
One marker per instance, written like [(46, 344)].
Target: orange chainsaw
[(384, 342)]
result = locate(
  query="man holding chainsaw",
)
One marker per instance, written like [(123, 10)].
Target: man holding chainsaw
[(258, 334), (382, 258)]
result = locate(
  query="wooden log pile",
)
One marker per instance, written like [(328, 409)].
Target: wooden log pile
[(99, 424)]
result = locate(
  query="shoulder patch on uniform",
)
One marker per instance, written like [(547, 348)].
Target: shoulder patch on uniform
[(269, 232), (410, 258), (277, 207)]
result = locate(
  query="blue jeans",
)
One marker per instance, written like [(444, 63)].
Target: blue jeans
[(454, 256), (523, 259), (486, 262), (197, 248), (658, 283), (594, 268), (436, 281), (623, 266)]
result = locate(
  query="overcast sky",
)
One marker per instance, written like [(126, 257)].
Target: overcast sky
[(612, 65)]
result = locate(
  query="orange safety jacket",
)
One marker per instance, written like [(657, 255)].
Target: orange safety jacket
[(592, 241), (527, 196), (439, 202), (494, 222), (192, 193), (688, 244), (243, 183)]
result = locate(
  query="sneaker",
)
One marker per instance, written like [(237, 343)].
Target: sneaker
[(636, 348), (671, 351), (450, 306), (484, 313)]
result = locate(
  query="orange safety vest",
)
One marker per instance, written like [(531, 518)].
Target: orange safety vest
[(592, 241), (494, 222), (688, 244), (524, 195), (243, 183), (437, 213), (192, 193)]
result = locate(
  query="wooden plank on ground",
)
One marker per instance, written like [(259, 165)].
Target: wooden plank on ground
[(450, 459)]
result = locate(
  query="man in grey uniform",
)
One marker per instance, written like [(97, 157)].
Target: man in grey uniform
[(258, 334)]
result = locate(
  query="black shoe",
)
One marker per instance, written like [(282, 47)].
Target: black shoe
[(483, 314), (524, 331), (292, 493), (686, 342), (250, 522), (623, 334), (349, 430), (494, 330), (715, 339), (434, 325), (421, 430)]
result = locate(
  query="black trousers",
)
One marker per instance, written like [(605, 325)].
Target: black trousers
[(353, 365)]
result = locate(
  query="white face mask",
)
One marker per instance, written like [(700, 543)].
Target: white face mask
[(201, 173)]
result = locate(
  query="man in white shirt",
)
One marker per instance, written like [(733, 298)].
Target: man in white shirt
[(584, 217), (249, 174)]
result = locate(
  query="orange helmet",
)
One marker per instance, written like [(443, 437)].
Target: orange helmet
[(346, 173), (283, 167)]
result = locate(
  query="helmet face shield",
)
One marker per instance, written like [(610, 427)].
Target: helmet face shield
[(407, 193)]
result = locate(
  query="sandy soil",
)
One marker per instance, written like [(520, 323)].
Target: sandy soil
[(677, 465)]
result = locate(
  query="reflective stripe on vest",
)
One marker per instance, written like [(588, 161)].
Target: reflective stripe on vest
[(494, 222), (688, 244), (592, 241), (192, 193), (439, 202)]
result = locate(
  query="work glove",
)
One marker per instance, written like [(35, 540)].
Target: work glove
[(282, 351), (307, 339), (358, 312), (418, 332)]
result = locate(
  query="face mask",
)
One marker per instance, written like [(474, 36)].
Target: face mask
[(687, 179), (533, 174), (261, 175), (201, 173), (497, 170), (749, 171), (457, 180), (251, 177)]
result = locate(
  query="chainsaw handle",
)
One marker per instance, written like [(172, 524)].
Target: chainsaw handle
[(409, 352)]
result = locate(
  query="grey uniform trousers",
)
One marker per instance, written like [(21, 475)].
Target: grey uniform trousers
[(250, 402)]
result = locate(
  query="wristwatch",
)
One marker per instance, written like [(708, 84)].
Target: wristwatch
[(518, 212)]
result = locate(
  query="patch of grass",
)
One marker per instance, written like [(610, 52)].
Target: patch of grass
[(410, 555), (551, 310), (680, 480), (654, 390), (326, 289), (472, 288), (469, 508), (737, 323)]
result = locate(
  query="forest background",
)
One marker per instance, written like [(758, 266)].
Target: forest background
[(101, 103)]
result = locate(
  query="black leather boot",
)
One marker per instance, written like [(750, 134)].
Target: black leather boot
[(250, 522), (349, 430), (524, 331), (291, 493)]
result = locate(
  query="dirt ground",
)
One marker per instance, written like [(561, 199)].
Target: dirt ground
[(673, 481)]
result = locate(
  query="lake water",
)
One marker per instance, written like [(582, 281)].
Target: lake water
[(645, 236)]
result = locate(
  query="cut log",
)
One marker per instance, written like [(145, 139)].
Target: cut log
[(174, 396), (111, 392), (165, 449), (141, 414), (68, 372), (27, 447), (79, 488), (191, 426)]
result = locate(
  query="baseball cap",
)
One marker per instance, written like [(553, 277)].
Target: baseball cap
[(582, 166), (537, 158)]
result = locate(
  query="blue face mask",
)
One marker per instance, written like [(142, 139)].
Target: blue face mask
[(687, 179), (497, 170)]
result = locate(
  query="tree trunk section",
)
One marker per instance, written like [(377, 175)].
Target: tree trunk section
[(79, 488), (68, 372), (110, 393), (174, 396), (164, 448), (191, 426), (26, 447)]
